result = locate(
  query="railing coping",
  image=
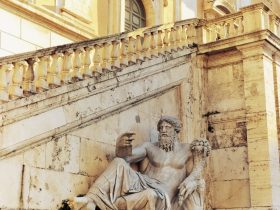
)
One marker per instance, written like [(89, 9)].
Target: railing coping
[(100, 40), (223, 18), (252, 7)]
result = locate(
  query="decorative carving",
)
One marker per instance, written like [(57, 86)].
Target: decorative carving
[(120, 187)]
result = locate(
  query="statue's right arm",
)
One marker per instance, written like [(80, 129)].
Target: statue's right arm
[(138, 154)]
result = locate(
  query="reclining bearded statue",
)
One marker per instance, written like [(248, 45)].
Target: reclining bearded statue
[(172, 178)]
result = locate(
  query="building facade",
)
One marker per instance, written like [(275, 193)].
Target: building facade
[(76, 74)]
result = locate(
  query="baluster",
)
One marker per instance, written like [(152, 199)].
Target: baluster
[(78, 65), (213, 34), (153, 47), (106, 65), (224, 30), (240, 29), (115, 55), (67, 70), (183, 37), (172, 40), (15, 89), (41, 68), (131, 51), (97, 70), (166, 40), (123, 59), (4, 82), (55, 70), (160, 43), (28, 85), (231, 28), (191, 34), (146, 46), (139, 55), (88, 65), (178, 37), (219, 31)]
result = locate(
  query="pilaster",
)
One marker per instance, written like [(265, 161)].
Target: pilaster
[(263, 155)]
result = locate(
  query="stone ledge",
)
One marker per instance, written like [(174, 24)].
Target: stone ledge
[(232, 43)]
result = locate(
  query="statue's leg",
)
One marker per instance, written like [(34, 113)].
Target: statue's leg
[(113, 183), (145, 200)]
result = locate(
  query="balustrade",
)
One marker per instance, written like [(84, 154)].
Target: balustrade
[(250, 19), (35, 72)]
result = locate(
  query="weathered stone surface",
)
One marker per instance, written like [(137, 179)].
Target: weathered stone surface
[(45, 189), (230, 194), (11, 178), (229, 164), (63, 154), (95, 156), (227, 84), (36, 157), (227, 134)]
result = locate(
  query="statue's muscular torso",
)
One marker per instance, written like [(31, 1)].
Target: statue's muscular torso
[(170, 168)]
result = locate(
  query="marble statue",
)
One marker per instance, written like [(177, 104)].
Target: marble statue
[(172, 178)]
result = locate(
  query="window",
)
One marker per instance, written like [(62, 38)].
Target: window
[(134, 15)]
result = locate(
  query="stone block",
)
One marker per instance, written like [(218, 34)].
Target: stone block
[(228, 134), (229, 164), (30, 127), (36, 157), (45, 189), (63, 154), (263, 150), (11, 182), (9, 23), (260, 173), (35, 34), (57, 39), (230, 194), (95, 157), (14, 44), (227, 83), (257, 127)]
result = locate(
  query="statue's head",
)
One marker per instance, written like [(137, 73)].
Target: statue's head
[(172, 121), (168, 128)]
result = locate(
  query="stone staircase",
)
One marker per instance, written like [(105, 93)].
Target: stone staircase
[(62, 108)]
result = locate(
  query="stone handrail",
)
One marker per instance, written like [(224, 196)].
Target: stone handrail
[(249, 19), (30, 73)]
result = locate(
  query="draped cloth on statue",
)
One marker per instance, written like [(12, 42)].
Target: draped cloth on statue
[(120, 181)]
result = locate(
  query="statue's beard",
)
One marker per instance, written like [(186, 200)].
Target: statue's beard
[(166, 143)]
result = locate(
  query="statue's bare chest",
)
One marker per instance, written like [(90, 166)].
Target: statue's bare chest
[(174, 159)]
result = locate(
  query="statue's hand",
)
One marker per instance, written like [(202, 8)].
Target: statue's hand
[(186, 188), (124, 144), (125, 139)]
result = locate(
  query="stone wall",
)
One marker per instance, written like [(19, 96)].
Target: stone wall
[(229, 169), (55, 148), (18, 35)]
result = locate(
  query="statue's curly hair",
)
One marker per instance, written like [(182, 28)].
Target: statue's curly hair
[(171, 120)]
